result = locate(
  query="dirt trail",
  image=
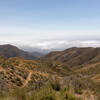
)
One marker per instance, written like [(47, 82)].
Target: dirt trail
[(28, 79)]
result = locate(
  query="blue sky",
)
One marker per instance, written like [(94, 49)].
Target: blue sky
[(51, 14), (36, 20)]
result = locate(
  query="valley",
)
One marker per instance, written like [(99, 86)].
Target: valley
[(75, 71)]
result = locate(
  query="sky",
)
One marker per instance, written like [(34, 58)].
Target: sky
[(50, 24)]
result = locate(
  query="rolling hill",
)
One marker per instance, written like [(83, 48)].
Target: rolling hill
[(75, 56), (83, 61), (75, 70), (12, 51)]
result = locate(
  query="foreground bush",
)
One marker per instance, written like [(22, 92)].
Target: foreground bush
[(19, 94), (44, 93), (56, 85)]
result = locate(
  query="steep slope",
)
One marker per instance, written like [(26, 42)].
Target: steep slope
[(12, 51), (33, 74), (17, 72), (77, 69), (75, 56), (84, 61)]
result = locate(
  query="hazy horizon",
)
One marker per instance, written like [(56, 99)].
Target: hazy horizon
[(50, 24)]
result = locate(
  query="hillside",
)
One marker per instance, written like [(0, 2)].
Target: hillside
[(80, 60), (84, 61), (17, 72), (12, 51), (75, 56), (71, 74)]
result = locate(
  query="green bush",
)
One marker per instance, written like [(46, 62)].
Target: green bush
[(49, 97), (56, 85), (78, 91), (44, 93), (70, 96), (19, 94)]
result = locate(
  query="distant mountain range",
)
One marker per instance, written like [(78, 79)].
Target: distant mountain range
[(12, 51)]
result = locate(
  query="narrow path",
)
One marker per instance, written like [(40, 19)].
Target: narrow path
[(28, 79)]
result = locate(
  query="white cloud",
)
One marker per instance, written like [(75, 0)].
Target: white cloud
[(53, 44), (49, 39), (61, 44)]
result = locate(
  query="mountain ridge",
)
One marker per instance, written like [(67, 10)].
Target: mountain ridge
[(8, 51), (76, 69), (75, 56)]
